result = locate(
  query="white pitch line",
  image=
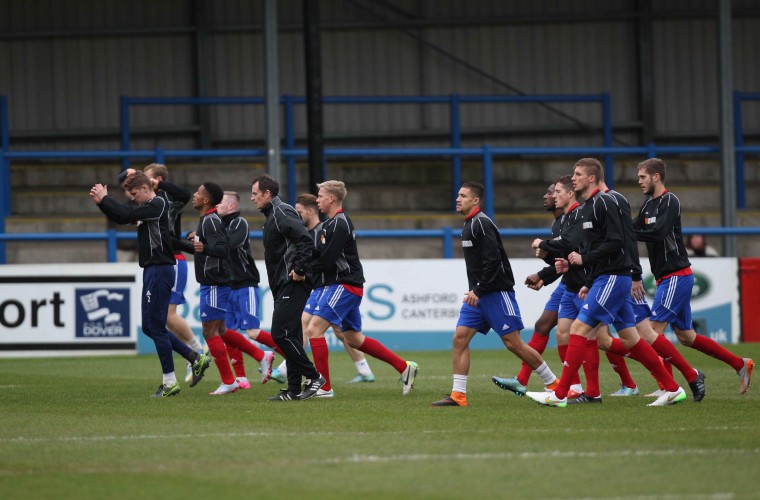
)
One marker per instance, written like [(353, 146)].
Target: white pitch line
[(529, 455), (227, 435)]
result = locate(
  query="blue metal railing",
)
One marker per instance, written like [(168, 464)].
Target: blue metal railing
[(741, 149), (446, 235), (486, 154), (454, 102)]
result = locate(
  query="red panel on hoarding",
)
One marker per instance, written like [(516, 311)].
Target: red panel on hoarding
[(749, 278)]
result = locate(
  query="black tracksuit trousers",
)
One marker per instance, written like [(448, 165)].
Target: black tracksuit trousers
[(288, 333)]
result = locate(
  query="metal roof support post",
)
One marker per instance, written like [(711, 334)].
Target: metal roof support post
[(271, 68), (727, 147)]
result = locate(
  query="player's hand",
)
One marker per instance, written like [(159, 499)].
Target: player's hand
[(536, 243), (561, 265), (534, 282), (575, 259), (583, 293), (296, 277), (470, 298), (637, 290), (191, 235), (198, 246), (532, 279), (98, 192)]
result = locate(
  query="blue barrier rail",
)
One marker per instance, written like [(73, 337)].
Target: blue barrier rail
[(446, 235), (454, 102), (487, 154), (741, 149)]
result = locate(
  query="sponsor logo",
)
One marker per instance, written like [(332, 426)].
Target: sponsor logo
[(102, 312), (650, 220), (466, 243), (701, 286), (588, 225)]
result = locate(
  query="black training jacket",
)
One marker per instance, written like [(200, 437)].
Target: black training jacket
[(659, 225), (212, 266), (152, 218), (629, 235), (287, 244), (568, 240), (243, 270), (488, 268), (337, 259), (177, 197), (549, 274), (603, 247)]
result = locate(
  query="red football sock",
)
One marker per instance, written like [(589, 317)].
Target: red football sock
[(668, 352), (236, 358), (265, 338), (562, 351), (218, 350), (621, 368), (617, 347), (644, 354), (712, 348), (576, 349), (320, 353), (591, 368), (538, 342), (236, 339), (377, 350)]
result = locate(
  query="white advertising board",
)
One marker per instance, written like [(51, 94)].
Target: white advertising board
[(408, 304)]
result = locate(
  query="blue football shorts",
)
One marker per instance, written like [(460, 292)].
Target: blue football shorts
[(607, 302), (672, 302), (340, 307), (496, 310), (214, 302), (244, 309)]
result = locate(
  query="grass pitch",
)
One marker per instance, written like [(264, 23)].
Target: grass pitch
[(86, 428)]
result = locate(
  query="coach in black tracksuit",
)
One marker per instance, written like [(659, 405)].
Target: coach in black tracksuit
[(287, 253)]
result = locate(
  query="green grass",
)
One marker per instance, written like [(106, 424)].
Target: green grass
[(85, 428)]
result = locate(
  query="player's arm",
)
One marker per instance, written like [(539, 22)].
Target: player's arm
[(665, 219), (490, 256), (215, 244), (177, 193), (292, 228), (128, 213)]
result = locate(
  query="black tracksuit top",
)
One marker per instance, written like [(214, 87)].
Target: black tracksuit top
[(629, 235), (488, 268), (212, 267), (177, 197), (152, 219), (603, 247), (287, 244), (243, 270), (337, 256), (568, 240), (659, 225)]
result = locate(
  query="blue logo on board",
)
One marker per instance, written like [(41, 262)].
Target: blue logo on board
[(102, 312)]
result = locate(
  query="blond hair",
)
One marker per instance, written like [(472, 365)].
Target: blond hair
[(335, 188)]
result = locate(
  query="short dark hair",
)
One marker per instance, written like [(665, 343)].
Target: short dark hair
[(215, 192), (593, 167), (308, 200), (267, 183), (566, 181), (653, 166), (476, 187), (135, 180)]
